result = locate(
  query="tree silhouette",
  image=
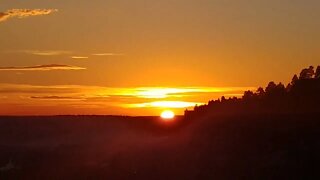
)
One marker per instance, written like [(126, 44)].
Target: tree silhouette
[(317, 75), (260, 92), (307, 73), (248, 95), (271, 87), (294, 79)]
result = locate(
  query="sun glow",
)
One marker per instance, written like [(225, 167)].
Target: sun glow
[(167, 114)]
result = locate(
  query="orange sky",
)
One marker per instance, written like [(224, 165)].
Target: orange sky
[(95, 57)]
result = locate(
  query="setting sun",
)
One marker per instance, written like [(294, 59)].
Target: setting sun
[(167, 114)]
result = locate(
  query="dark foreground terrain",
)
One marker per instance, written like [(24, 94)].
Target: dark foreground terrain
[(277, 146)]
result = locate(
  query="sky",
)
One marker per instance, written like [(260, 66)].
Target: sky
[(139, 57)]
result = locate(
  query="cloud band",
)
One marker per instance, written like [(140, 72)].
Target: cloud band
[(49, 67), (23, 13)]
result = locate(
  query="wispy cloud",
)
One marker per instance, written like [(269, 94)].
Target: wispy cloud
[(42, 68), (99, 92), (108, 54), (147, 97), (79, 57), (23, 13), (46, 53), (35, 90), (162, 92), (56, 97), (72, 55), (164, 104), (96, 54)]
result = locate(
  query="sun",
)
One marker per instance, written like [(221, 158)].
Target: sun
[(167, 114)]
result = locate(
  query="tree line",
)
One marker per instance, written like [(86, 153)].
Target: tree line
[(301, 95)]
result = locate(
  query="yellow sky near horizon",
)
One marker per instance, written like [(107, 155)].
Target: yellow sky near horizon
[(81, 100)]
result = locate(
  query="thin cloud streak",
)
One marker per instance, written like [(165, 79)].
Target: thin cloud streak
[(56, 98), (23, 13), (114, 92), (108, 54), (49, 67), (164, 104), (61, 52), (46, 53), (125, 95), (79, 57)]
